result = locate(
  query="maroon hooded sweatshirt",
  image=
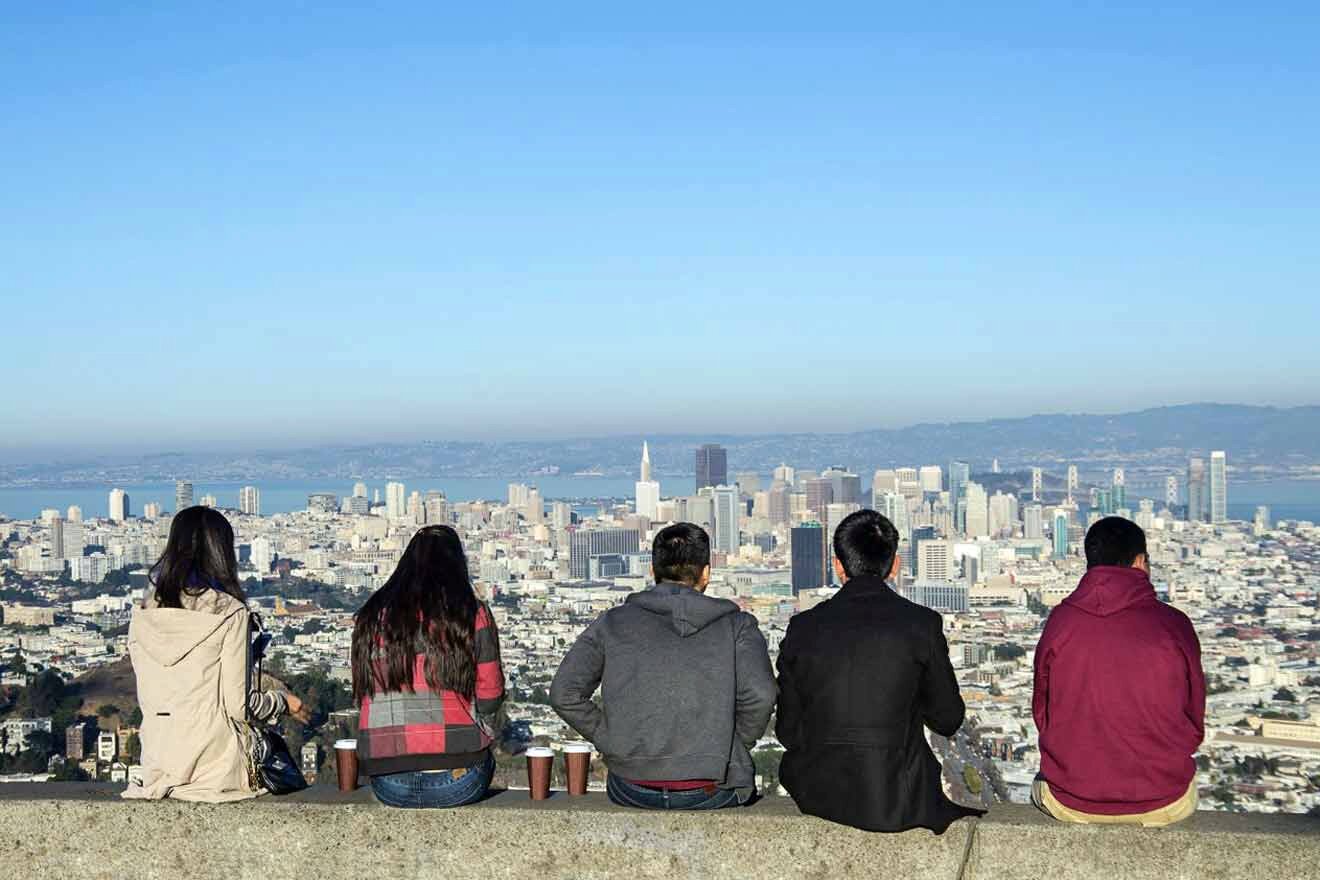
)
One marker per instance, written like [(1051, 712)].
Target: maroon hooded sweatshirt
[(1119, 697)]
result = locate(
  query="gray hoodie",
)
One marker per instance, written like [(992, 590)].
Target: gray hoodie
[(686, 687)]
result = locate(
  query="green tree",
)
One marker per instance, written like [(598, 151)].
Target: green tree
[(135, 717), (134, 749), (1283, 695), (44, 695), (1009, 651), (107, 710)]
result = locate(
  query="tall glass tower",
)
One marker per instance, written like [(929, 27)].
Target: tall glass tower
[(1218, 487)]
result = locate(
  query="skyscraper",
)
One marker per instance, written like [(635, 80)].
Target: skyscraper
[(785, 474), (535, 509), (1196, 491), (1060, 534), (1033, 522), (712, 466), (56, 542), (119, 509), (587, 543), (1218, 487), (806, 550), (727, 508), (1118, 485), (249, 500), (977, 517), (934, 560), (1072, 481), (777, 502), (820, 495), (647, 490), (883, 481), (1171, 491), (845, 487), (1037, 483), (395, 501), (959, 473), (931, 478), (183, 495)]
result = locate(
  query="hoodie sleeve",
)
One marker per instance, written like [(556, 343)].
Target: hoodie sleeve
[(755, 696), (1195, 682), (576, 680), (236, 666), (942, 704), (1040, 689)]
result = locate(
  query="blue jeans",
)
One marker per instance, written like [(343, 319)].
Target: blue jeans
[(441, 788), (625, 794)]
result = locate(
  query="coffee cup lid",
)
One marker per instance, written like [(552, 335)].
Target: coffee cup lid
[(577, 747), (346, 744), (539, 752)]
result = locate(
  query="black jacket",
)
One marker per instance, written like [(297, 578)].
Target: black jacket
[(859, 676)]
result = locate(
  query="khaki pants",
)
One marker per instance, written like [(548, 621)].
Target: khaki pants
[(1180, 809)]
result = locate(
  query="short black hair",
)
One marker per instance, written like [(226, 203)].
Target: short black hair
[(1114, 541), (866, 542), (680, 553)]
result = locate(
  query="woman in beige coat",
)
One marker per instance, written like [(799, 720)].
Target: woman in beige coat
[(190, 644)]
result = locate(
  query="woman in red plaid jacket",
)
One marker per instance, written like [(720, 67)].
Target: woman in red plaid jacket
[(427, 675)]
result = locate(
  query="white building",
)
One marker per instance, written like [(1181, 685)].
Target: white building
[(263, 554), (249, 500), (119, 509), (978, 514), (934, 560), (931, 478), (15, 732), (395, 501), (728, 504), (1218, 487)]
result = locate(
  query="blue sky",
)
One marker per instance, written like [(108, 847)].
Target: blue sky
[(287, 224)]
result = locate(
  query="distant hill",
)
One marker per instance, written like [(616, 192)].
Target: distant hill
[(1253, 435)]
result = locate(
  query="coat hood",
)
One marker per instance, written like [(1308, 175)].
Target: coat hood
[(688, 611), (167, 635), (1109, 589)]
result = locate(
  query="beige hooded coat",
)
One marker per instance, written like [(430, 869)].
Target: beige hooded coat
[(192, 667)]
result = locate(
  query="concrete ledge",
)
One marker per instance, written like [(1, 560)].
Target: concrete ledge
[(85, 831)]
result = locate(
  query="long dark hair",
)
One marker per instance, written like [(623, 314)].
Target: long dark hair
[(199, 556), (427, 607)]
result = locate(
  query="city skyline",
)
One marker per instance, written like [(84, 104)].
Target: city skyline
[(437, 218)]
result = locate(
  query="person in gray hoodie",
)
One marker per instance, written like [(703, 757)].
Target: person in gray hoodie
[(686, 686)]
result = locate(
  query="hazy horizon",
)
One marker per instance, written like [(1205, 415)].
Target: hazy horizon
[(20, 456)]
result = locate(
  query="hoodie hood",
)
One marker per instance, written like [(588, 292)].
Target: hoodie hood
[(167, 635), (1108, 589), (688, 611)]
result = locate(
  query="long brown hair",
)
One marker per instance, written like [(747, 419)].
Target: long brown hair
[(199, 556), (427, 607)]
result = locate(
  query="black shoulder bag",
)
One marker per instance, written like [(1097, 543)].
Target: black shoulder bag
[(270, 764)]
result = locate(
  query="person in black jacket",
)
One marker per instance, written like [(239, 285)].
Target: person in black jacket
[(859, 677)]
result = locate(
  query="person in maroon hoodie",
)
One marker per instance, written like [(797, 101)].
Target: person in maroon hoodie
[(1119, 695)]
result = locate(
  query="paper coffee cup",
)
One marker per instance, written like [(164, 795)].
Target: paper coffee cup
[(346, 763), (539, 762), (577, 761)]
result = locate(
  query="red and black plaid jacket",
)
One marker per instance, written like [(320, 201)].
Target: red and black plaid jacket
[(420, 729)]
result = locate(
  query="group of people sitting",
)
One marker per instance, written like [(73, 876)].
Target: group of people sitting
[(674, 688)]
